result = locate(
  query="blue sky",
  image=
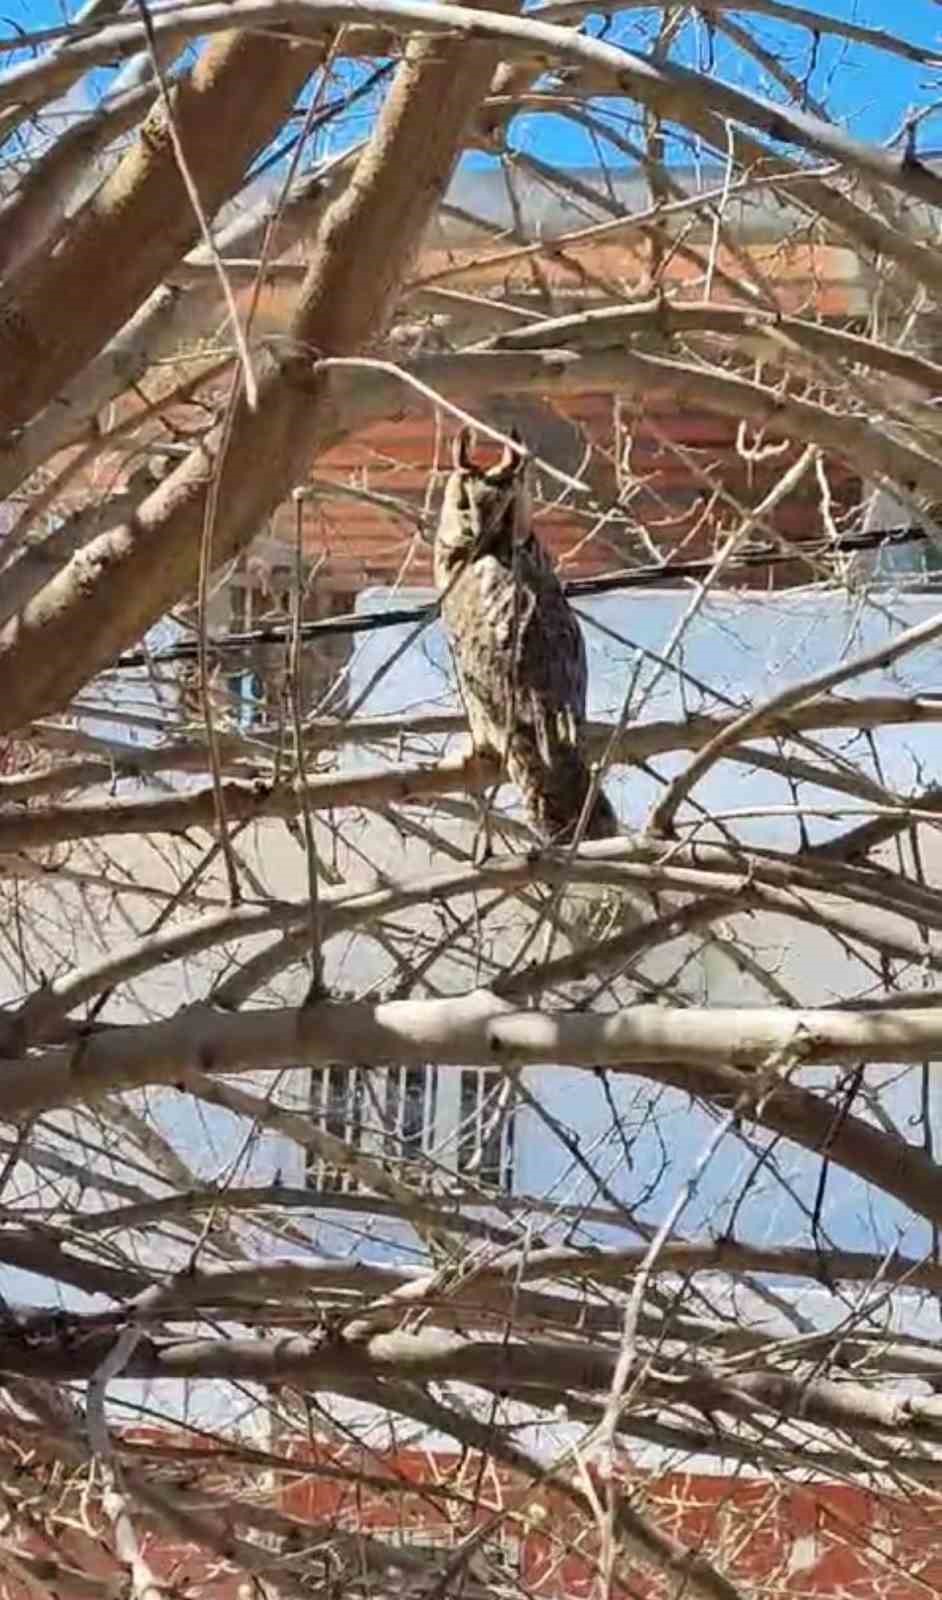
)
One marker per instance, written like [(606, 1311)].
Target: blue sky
[(869, 91)]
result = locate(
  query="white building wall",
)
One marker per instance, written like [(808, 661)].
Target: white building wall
[(742, 649), (737, 651)]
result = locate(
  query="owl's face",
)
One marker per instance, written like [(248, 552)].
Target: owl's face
[(484, 507)]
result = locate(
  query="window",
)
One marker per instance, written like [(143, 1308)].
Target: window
[(399, 1116), (240, 605), (496, 1556), (485, 1132), (409, 1124), (387, 1114), (440, 1535), (248, 695), (338, 1105)]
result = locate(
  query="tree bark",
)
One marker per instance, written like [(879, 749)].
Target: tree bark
[(477, 1029), (119, 584), (140, 222)]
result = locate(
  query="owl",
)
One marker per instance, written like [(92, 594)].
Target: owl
[(518, 648)]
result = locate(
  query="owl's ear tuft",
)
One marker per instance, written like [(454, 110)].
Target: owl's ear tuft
[(461, 451), (513, 460)]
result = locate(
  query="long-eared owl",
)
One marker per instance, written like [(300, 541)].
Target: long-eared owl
[(518, 648)]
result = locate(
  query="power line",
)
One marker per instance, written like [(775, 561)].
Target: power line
[(647, 577)]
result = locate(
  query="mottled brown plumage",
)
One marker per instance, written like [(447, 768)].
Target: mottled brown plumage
[(518, 648)]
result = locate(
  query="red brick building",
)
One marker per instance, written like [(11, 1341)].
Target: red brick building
[(812, 1539), (661, 459)]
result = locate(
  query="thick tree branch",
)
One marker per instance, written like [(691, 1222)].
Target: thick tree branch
[(140, 222), (126, 579), (664, 86), (666, 318), (477, 1029)]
